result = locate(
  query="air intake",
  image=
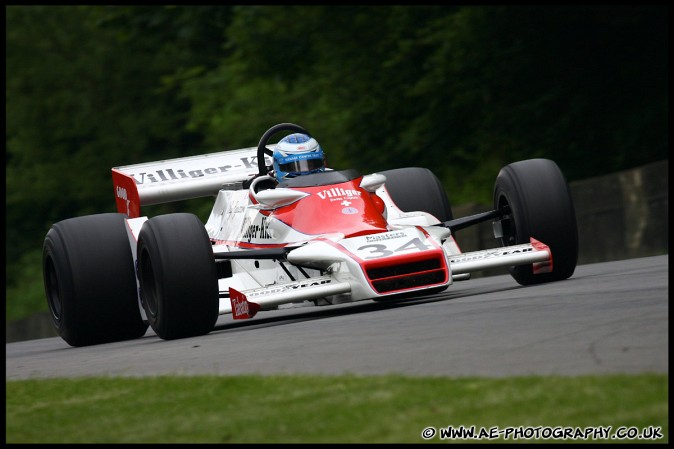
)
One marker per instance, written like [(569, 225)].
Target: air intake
[(398, 274)]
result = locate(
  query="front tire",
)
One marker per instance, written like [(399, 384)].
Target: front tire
[(540, 207), (418, 189), (178, 279), (90, 282)]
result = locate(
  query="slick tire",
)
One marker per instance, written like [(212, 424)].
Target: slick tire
[(418, 189), (540, 207), (90, 282), (178, 279)]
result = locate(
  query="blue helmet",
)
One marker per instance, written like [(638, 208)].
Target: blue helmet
[(297, 154)]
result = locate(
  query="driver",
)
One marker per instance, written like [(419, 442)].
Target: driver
[(297, 154)]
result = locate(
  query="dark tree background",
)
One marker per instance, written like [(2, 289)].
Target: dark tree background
[(462, 90)]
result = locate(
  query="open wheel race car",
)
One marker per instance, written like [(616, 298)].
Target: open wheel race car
[(323, 238)]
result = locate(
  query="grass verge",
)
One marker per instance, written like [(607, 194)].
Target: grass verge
[(328, 409)]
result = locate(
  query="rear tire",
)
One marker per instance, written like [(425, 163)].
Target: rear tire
[(540, 207), (90, 282), (418, 189), (178, 279)]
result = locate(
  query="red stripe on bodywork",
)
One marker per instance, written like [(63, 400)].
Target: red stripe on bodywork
[(242, 309)]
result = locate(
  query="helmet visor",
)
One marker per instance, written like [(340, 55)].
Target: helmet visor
[(302, 166)]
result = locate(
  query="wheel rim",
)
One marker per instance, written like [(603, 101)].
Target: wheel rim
[(507, 223)]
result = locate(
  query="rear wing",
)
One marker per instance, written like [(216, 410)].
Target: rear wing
[(181, 178)]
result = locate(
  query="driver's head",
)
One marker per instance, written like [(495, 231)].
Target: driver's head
[(296, 155)]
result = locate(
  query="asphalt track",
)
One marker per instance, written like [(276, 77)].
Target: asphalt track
[(607, 318)]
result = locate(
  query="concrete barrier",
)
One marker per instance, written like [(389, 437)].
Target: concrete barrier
[(35, 326), (623, 215), (620, 216)]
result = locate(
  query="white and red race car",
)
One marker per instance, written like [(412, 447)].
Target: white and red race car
[(320, 239)]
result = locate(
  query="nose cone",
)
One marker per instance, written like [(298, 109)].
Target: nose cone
[(342, 208)]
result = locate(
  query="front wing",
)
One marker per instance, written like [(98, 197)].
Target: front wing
[(353, 277), (407, 260)]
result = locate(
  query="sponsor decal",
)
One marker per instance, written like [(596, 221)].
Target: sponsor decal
[(488, 254), (338, 193), (288, 287), (299, 157), (235, 209), (377, 250), (241, 308), (123, 195), (260, 231), (349, 211), (385, 236), (174, 174)]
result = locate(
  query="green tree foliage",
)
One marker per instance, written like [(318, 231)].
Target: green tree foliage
[(462, 90), (90, 88)]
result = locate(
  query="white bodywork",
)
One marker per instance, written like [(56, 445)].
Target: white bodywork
[(319, 269)]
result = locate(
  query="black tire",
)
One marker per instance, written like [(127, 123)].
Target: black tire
[(540, 207), (178, 279), (418, 189), (90, 282)]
